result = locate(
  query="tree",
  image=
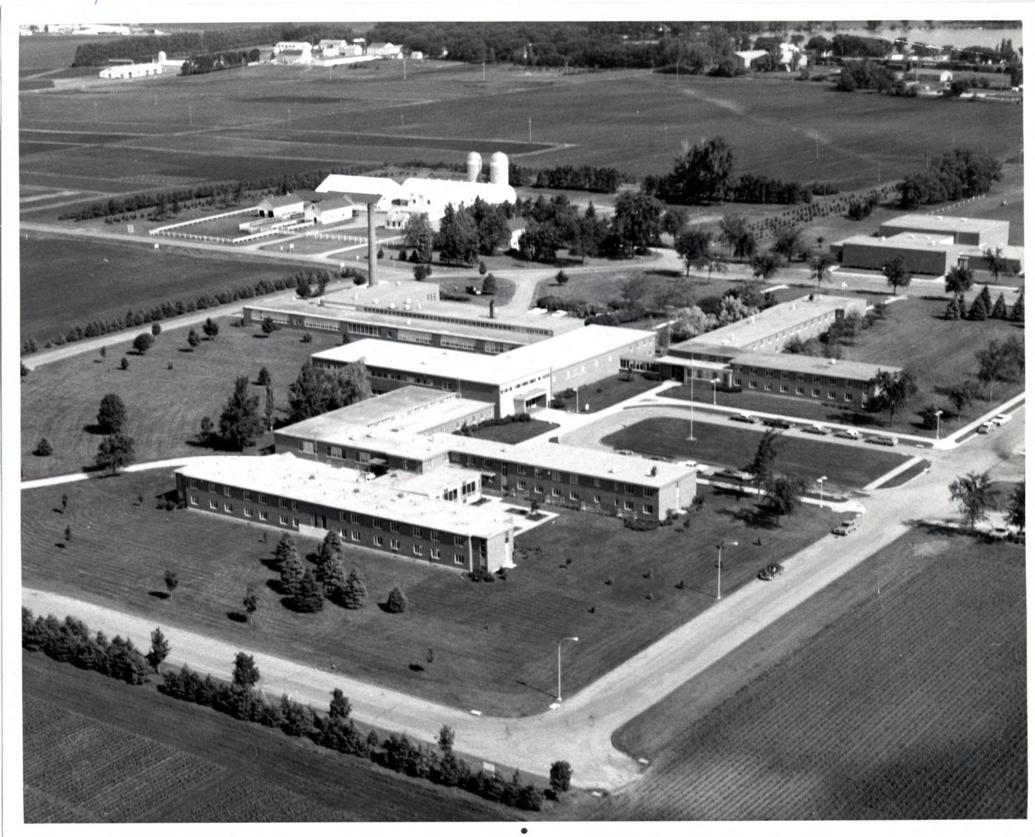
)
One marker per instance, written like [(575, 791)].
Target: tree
[(820, 264), (962, 395), (952, 310), (354, 595), (999, 311), (43, 447), (291, 572), (172, 581), (733, 309), (694, 248), (332, 575), (143, 342), (787, 243), (896, 273), (264, 379), (761, 466), (446, 738), (978, 309), (958, 281), (482, 268), (489, 285), (270, 409), (250, 602), (330, 549), (340, 709), (421, 271), (115, 452), (1015, 509), (457, 238), (561, 278), (1000, 361), (193, 339), (765, 266), (975, 495), (318, 390), (785, 493), (308, 596), (159, 649), (111, 416), (690, 322), (703, 173), (397, 601), (892, 391), (996, 262), (673, 220), (156, 329), (733, 229), (636, 223), (419, 237), (68, 533), (246, 673), (239, 423), (124, 364), (1017, 310), (211, 328), (560, 776), (268, 327)]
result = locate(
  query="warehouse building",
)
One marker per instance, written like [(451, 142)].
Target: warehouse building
[(312, 498), (515, 382)]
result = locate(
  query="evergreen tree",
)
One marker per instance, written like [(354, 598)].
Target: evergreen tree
[(291, 572), (330, 550), (978, 311), (239, 423), (1017, 311), (999, 308), (114, 452), (397, 601), (986, 297), (340, 708), (246, 673), (308, 597), (354, 594), (952, 310), (111, 415), (159, 649), (285, 546)]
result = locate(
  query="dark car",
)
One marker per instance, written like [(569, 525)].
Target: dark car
[(779, 424)]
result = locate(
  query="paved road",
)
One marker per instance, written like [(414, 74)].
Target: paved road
[(580, 730)]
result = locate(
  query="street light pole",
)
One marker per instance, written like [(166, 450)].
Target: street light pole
[(559, 644), (719, 546), (692, 439), (820, 481), (937, 424), (715, 381)]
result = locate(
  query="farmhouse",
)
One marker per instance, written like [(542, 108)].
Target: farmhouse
[(293, 52), (746, 57), (384, 50), (514, 382)]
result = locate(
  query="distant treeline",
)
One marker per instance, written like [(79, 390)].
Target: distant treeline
[(585, 178), (212, 41), (176, 308), (950, 177), (200, 64)]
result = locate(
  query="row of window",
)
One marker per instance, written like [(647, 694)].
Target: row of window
[(787, 376), (550, 474), (557, 494), (500, 325), (832, 395)]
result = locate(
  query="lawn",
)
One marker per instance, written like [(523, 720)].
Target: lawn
[(593, 398), (896, 693), (722, 445), (67, 282), (164, 405), (97, 750), (494, 644), (515, 431)]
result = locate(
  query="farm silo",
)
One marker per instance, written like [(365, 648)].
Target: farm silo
[(474, 167), (499, 169)]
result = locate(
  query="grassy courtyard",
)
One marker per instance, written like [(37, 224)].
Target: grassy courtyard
[(166, 392), (727, 446), (494, 644), (510, 433)]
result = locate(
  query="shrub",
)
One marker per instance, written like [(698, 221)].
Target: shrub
[(397, 601), (43, 448)]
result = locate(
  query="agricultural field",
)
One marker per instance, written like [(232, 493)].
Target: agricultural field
[(67, 282), (847, 466), (266, 120), (494, 644), (166, 392), (97, 750), (896, 693)]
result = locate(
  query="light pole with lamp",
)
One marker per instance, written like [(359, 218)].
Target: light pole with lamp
[(559, 644), (938, 424), (692, 376), (820, 481), (715, 382), (719, 546)]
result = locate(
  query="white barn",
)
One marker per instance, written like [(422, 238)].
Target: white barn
[(330, 210)]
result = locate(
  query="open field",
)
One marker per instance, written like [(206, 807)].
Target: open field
[(238, 124), (725, 446), (899, 693), (97, 750), (67, 282), (514, 432), (494, 644), (164, 406)]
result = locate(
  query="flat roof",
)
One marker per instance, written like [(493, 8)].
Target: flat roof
[(904, 241), (418, 447), (562, 350), (946, 223), (284, 475), (784, 361), (431, 483), (774, 320), (690, 364), (586, 461), (375, 410)]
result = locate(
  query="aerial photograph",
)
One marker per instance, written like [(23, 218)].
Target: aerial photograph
[(516, 422)]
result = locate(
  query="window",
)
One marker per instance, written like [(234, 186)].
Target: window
[(211, 486), (573, 479), (648, 508), (436, 554), (521, 485), (596, 499), (260, 498), (354, 535), (393, 526), (738, 381), (418, 549), (799, 390), (226, 490), (848, 396), (783, 387), (458, 558), (193, 500), (417, 532), (193, 483), (630, 505), (768, 387), (752, 385), (341, 516), (647, 491), (458, 540), (538, 489), (450, 494), (521, 470), (596, 483), (247, 495), (434, 534), (630, 489), (378, 540), (212, 504), (282, 502), (831, 394), (555, 492), (263, 515), (376, 523), (294, 505), (573, 495), (815, 393), (283, 520), (294, 522), (334, 451), (247, 511), (394, 544), (354, 518)]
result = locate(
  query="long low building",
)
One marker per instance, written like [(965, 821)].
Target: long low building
[(976, 232), (515, 382), (312, 498)]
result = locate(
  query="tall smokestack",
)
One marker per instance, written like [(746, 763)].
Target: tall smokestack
[(371, 245)]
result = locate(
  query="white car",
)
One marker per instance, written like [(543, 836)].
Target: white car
[(849, 433), (986, 428), (818, 429), (1000, 419)]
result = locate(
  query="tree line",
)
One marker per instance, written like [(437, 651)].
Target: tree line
[(197, 65), (961, 173)]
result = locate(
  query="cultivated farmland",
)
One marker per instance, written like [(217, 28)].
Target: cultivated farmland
[(838, 729), (99, 751), (494, 644)]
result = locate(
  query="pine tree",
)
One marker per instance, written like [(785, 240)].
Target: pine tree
[(978, 311), (952, 310), (986, 297), (354, 595), (291, 572), (330, 550), (308, 597), (334, 580), (1017, 311), (285, 546), (999, 309), (396, 601)]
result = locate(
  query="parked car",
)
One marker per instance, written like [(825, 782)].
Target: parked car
[(1000, 419), (986, 428), (818, 429), (769, 572), (779, 424), (888, 441), (848, 433), (846, 526), (747, 418)]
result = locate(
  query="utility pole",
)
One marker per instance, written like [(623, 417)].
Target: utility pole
[(530, 129), (483, 72), (190, 114)]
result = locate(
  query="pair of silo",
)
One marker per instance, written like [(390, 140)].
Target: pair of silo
[(499, 168)]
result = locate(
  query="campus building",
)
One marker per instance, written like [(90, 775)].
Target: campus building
[(411, 312), (515, 382)]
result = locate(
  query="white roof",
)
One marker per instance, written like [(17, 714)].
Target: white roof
[(458, 192), (284, 475), (383, 186), (751, 54)]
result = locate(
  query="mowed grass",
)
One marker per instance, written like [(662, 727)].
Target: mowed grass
[(899, 694), (67, 282), (847, 466), (494, 644), (515, 431), (97, 750), (604, 393), (164, 406)]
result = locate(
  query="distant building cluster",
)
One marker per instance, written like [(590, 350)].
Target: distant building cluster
[(331, 52)]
